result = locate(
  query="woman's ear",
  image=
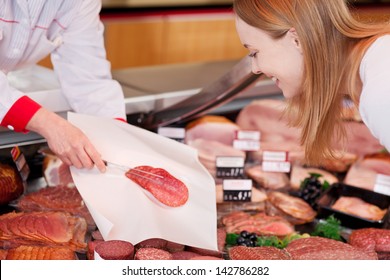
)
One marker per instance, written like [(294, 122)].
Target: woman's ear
[(295, 38)]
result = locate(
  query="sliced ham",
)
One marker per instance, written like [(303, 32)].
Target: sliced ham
[(358, 207), (50, 228), (260, 224), (58, 198), (299, 173), (56, 172), (267, 180), (294, 209), (213, 128), (364, 172), (209, 150), (24, 252), (266, 116)]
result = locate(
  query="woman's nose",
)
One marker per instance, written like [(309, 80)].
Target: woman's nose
[(255, 68)]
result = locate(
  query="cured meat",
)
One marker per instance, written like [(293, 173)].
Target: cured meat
[(184, 255), (152, 254), (41, 253), (3, 254), (174, 247), (56, 172), (299, 173), (158, 243), (205, 258), (213, 128), (208, 151), (257, 253), (43, 228), (11, 185), (358, 207), (364, 172), (162, 185), (59, 198), (267, 180), (91, 248), (266, 116), (114, 250), (311, 248), (260, 224), (371, 239), (319, 248), (294, 209)]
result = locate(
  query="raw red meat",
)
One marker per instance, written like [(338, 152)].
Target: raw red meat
[(161, 184)]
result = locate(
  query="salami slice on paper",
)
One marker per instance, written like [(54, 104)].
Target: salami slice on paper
[(161, 184)]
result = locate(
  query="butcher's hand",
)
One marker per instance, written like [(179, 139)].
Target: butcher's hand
[(68, 142)]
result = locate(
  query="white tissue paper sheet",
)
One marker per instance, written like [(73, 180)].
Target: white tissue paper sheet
[(122, 209)]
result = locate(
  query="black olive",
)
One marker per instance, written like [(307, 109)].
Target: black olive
[(244, 233), (253, 237), (240, 240), (249, 243)]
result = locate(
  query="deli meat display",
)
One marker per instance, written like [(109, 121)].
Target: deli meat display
[(269, 204)]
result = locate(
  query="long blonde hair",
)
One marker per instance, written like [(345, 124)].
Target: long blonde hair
[(333, 44)]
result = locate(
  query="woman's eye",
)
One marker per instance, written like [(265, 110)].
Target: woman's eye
[(253, 54)]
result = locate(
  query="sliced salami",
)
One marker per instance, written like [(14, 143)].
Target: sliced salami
[(161, 184)]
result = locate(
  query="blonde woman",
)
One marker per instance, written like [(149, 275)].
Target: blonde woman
[(318, 53)]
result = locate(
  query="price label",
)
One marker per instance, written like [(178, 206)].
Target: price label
[(382, 184), (20, 163), (237, 190), (248, 135), (230, 167), (246, 145), (175, 133), (276, 161)]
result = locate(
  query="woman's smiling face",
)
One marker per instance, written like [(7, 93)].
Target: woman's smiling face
[(279, 59)]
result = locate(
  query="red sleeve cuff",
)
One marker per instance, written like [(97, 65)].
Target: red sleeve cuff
[(20, 114)]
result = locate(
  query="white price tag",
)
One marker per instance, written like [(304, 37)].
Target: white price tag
[(230, 167), (382, 184), (248, 135), (275, 156), (246, 145), (237, 190), (276, 166), (177, 133)]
